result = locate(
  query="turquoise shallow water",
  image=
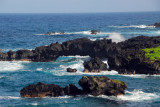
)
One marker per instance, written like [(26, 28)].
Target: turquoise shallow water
[(26, 31)]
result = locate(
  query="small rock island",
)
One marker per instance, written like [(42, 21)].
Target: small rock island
[(90, 86)]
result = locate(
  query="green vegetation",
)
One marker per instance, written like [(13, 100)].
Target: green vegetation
[(152, 53), (118, 83)]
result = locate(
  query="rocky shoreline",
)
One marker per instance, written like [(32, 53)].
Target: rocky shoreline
[(127, 57), (90, 86)]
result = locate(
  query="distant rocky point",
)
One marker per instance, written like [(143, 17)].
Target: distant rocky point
[(55, 33), (156, 25), (90, 85)]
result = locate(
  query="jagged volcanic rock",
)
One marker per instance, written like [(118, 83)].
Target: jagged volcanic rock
[(102, 86), (126, 57), (42, 90), (90, 85), (94, 65), (157, 25)]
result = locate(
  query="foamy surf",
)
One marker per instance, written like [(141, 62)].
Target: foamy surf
[(138, 95), (77, 63), (79, 33), (135, 26), (134, 96), (9, 97), (10, 65)]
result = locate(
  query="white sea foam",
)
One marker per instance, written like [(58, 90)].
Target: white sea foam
[(116, 37), (79, 66), (39, 69), (10, 66), (138, 95), (135, 26), (80, 32), (135, 96), (15, 49), (157, 32), (2, 77), (34, 104), (78, 56), (9, 97)]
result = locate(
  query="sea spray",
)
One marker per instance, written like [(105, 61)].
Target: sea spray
[(116, 37)]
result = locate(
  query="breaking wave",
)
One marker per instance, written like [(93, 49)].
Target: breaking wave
[(134, 96), (116, 37), (138, 95), (10, 66), (77, 64)]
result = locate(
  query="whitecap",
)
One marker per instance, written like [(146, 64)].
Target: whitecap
[(3, 77), (10, 65)]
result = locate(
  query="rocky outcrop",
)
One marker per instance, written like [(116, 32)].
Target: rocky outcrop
[(42, 90), (95, 65), (102, 86), (125, 57), (156, 25), (71, 70), (90, 85), (132, 60), (94, 32)]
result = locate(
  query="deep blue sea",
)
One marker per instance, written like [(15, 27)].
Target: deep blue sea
[(27, 31)]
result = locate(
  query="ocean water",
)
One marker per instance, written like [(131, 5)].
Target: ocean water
[(27, 31)]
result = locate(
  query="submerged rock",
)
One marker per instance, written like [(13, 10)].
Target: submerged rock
[(90, 85), (102, 86), (95, 65), (71, 70)]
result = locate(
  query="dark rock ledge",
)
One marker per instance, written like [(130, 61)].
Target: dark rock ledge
[(90, 85), (126, 57)]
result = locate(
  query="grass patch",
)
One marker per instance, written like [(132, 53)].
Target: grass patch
[(152, 53), (118, 83)]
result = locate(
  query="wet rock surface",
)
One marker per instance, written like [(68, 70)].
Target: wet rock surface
[(70, 70), (94, 32), (102, 86), (90, 85), (94, 65), (42, 90)]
